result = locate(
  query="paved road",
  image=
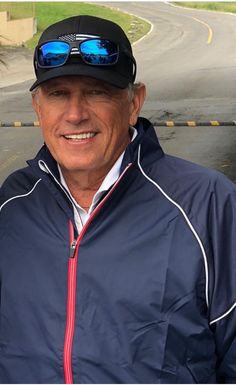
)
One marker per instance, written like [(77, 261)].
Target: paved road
[(187, 74), (189, 65)]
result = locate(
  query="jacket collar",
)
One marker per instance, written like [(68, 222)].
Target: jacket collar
[(146, 139), (45, 167)]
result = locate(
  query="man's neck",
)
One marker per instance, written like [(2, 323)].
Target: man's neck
[(83, 186)]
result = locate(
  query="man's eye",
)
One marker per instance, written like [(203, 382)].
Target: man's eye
[(58, 93), (98, 92)]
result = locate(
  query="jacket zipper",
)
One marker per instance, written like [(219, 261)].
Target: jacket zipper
[(71, 287), (71, 290)]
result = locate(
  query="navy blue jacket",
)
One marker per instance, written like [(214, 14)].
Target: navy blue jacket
[(145, 294)]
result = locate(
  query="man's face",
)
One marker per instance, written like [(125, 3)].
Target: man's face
[(85, 122)]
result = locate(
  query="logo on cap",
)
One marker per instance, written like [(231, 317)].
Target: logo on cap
[(76, 36)]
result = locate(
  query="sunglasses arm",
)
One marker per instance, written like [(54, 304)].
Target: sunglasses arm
[(135, 68)]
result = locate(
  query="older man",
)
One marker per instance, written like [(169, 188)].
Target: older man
[(117, 262)]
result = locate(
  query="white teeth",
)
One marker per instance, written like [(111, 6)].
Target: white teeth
[(87, 135)]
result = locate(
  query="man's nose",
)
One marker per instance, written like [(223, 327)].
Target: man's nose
[(77, 110)]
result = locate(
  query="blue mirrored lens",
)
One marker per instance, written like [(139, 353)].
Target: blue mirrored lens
[(99, 51), (53, 54)]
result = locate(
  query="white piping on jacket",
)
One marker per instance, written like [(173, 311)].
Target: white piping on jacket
[(43, 166), (20, 196), (223, 315), (170, 199), (185, 217)]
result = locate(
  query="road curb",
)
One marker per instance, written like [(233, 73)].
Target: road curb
[(156, 123), (193, 123), (19, 124)]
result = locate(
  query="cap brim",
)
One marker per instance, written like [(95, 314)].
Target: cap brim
[(101, 73)]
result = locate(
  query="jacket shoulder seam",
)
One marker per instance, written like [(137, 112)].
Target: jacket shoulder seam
[(20, 196)]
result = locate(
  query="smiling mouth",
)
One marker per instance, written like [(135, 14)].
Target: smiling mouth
[(80, 137)]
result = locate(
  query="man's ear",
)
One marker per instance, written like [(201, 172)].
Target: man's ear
[(137, 102), (35, 104)]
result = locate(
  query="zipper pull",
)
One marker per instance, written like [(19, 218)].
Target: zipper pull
[(72, 248)]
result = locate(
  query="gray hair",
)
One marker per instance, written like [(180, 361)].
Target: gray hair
[(131, 90)]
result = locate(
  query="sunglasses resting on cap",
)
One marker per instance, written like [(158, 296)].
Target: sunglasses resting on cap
[(92, 51), (87, 46)]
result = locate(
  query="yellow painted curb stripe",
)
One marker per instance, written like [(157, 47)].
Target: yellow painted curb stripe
[(17, 124), (170, 123), (191, 124), (214, 123)]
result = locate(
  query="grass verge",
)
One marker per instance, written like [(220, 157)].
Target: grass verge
[(227, 6), (48, 13)]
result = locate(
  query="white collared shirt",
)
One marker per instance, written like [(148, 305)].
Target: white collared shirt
[(81, 216)]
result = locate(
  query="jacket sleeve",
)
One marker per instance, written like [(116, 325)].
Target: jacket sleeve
[(225, 332), (222, 276)]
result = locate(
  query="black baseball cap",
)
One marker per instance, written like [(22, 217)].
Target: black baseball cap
[(119, 75)]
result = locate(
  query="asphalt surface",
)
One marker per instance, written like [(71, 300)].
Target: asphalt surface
[(187, 76), (188, 63)]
